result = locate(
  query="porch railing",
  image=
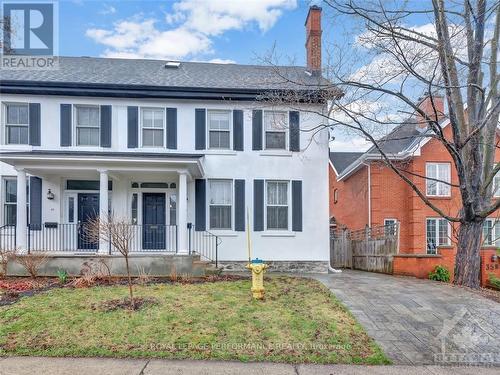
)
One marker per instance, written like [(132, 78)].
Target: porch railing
[(55, 237), (8, 237), (204, 243)]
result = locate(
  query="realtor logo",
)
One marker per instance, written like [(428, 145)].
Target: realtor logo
[(29, 35), (28, 29)]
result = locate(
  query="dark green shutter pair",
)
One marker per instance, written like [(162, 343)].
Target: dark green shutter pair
[(200, 198), (239, 205), (133, 127), (259, 205), (258, 130), (200, 129), (66, 125)]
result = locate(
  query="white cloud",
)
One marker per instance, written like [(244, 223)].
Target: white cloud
[(107, 9), (189, 30), (354, 144), (222, 61)]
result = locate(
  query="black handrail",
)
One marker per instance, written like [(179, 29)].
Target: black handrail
[(203, 243)]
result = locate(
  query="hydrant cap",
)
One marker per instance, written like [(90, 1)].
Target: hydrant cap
[(257, 261)]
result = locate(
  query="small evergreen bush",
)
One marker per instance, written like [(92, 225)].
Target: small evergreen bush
[(440, 273)]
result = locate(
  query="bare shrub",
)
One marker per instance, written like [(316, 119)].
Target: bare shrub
[(32, 262), (5, 257), (119, 233), (173, 274), (143, 277)]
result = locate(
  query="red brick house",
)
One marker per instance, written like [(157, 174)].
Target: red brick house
[(365, 191)]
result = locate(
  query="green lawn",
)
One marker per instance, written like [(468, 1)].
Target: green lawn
[(300, 321)]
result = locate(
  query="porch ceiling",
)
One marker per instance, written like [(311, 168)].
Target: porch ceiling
[(54, 162)]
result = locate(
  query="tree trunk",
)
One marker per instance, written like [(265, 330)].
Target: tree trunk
[(132, 302), (468, 262)]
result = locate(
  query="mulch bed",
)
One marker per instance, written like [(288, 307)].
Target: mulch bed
[(124, 304), (13, 288)]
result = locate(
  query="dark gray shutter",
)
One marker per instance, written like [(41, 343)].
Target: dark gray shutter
[(105, 126), (258, 205), (132, 127), (65, 125), (200, 204), (297, 206), (239, 205), (34, 118), (172, 128), (257, 129), (238, 137), (200, 128), (294, 131), (35, 203)]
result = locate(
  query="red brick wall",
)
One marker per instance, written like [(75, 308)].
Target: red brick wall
[(488, 266), (420, 265), (351, 208)]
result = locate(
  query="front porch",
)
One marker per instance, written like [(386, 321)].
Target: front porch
[(146, 192)]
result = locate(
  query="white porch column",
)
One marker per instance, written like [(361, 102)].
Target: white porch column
[(21, 218), (103, 206), (182, 239)]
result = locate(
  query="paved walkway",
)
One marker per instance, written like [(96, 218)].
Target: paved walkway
[(101, 366), (420, 321)]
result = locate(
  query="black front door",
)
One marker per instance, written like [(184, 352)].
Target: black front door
[(153, 221), (88, 209)]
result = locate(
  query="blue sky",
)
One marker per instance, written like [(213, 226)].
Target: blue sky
[(86, 28)]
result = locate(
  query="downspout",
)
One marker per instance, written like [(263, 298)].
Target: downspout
[(369, 193)]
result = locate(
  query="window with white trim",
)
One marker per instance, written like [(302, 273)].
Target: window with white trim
[(16, 124), (390, 226), (220, 202), (275, 130), (10, 200), (438, 179), (437, 234), (491, 232), (87, 125), (277, 200), (153, 127), (219, 129), (496, 185)]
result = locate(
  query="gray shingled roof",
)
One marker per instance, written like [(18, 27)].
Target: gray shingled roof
[(92, 70), (399, 139), (341, 160)]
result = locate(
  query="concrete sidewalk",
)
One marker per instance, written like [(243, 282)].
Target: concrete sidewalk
[(103, 366)]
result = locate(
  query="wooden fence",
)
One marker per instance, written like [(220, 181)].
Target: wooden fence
[(369, 249)]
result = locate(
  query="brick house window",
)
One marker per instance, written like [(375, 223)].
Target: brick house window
[(437, 234), (496, 185), (440, 172), (491, 232)]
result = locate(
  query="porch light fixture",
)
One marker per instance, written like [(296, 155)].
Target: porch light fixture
[(50, 195)]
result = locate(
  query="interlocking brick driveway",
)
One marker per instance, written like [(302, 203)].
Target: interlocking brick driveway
[(421, 321)]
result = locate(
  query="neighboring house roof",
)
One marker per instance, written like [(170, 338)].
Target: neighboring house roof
[(341, 160), (82, 71)]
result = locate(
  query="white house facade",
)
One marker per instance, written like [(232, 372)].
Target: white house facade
[(187, 153)]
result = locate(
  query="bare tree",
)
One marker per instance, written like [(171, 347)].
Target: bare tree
[(119, 233), (455, 55)]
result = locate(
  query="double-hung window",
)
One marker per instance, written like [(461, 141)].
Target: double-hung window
[(390, 226), (10, 201), (87, 125), (277, 205), (438, 178), (491, 232), (153, 127), (17, 124), (438, 234), (219, 130), (220, 203), (275, 125)]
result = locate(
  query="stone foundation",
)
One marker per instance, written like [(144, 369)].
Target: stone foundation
[(289, 266)]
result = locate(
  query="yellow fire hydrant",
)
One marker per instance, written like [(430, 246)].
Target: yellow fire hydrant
[(258, 268)]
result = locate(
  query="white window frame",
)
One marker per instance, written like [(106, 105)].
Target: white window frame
[(495, 233), (439, 185), (230, 205), (6, 125), (390, 221), (285, 130), (436, 239), (496, 185), (141, 126), (76, 107), (230, 130), (288, 205), (4, 202)]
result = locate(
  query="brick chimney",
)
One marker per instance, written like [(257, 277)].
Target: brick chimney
[(313, 39), (431, 108)]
